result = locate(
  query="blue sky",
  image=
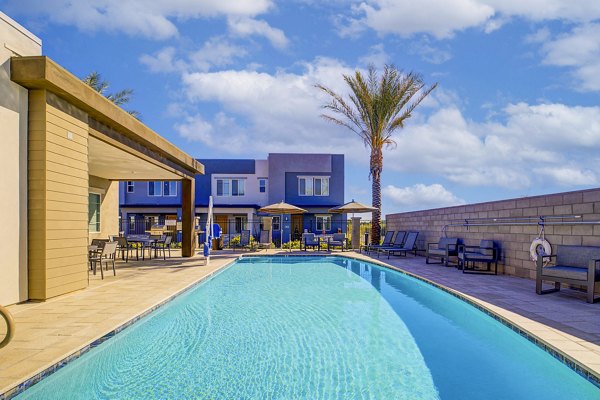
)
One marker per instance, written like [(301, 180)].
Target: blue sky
[(516, 113)]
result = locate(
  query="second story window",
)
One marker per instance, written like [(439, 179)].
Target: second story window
[(170, 188), (262, 185), (313, 186), (129, 186), (155, 188), (230, 187)]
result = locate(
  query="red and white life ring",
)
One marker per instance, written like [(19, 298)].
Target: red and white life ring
[(538, 247)]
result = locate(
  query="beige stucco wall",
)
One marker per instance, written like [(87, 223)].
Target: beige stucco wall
[(14, 41), (109, 206)]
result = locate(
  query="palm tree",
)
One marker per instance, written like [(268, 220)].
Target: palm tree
[(375, 109), (95, 81)]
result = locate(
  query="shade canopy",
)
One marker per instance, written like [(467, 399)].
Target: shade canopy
[(281, 208), (352, 207)]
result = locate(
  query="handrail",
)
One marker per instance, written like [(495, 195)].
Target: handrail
[(10, 326)]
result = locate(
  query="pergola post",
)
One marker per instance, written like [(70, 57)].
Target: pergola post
[(188, 217)]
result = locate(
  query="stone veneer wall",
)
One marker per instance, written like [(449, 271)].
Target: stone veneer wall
[(514, 240)]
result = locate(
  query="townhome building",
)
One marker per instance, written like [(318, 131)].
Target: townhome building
[(239, 188)]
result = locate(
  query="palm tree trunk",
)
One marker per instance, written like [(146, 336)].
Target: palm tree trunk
[(376, 165)]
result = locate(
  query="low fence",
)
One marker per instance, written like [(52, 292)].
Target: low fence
[(232, 228)]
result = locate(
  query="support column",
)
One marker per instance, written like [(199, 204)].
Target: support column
[(355, 233), (188, 217)]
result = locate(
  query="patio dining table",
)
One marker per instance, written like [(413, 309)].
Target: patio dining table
[(144, 243)]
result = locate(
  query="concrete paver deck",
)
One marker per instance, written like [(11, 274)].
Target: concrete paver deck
[(50, 331)]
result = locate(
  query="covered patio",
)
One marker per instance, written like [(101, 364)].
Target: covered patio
[(79, 146)]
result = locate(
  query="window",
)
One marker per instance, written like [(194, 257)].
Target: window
[(230, 187), (129, 186), (155, 188), (262, 185), (313, 186), (94, 212), (305, 186), (170, 188), (276, 223), (321, 186), (323, 223)]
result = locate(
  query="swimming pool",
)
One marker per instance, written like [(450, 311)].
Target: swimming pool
[(315, 328)]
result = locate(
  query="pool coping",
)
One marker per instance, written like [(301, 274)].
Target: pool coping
[(573, 364), (38, 376), (565, 359)]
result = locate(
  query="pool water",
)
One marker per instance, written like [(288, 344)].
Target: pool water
[(315, 328)]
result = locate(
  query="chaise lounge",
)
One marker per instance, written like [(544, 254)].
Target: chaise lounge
[(410, 244)]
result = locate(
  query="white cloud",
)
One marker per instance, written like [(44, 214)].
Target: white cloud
[(523, 145), (569, 176), (280, 111), (554, 138), (443, 18), (420, 197), (152, 19), (376, 56), (163, 61), (215, 52), (431, 54), (579, 50), (440, 18), (244, 27)]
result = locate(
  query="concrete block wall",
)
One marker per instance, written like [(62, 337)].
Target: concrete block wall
[(514, 240)]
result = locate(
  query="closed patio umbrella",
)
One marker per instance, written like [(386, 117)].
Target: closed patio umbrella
[(353, 207), (280, 209)]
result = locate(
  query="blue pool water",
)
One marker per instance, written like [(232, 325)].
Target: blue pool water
[(315, 328)]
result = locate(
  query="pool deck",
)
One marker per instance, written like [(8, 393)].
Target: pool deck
[(48, 332)]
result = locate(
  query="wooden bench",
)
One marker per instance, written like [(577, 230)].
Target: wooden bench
[(575, 265)]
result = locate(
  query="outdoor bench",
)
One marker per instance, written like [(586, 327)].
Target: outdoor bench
[(575, 265)]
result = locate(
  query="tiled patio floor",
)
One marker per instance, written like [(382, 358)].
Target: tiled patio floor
[(48, 332)]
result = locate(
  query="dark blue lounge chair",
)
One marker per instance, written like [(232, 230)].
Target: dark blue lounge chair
[(410, 244)]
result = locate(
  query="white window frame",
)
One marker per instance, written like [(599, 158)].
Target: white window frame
[(130, 186), (322, 178), (229, 191), (323, 218), (154, 183), (98, 223), (311, 188), (172, 184), (260, 181), (278, 223)]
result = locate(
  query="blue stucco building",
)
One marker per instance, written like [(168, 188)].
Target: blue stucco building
[(239, 188)]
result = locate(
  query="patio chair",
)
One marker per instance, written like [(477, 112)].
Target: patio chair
[(443, 249), (107, 254), (338, 240), (487, 252), (410, 244), (311, 240), (264, 241), (163, 244), (123, 247), (244, 240)]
